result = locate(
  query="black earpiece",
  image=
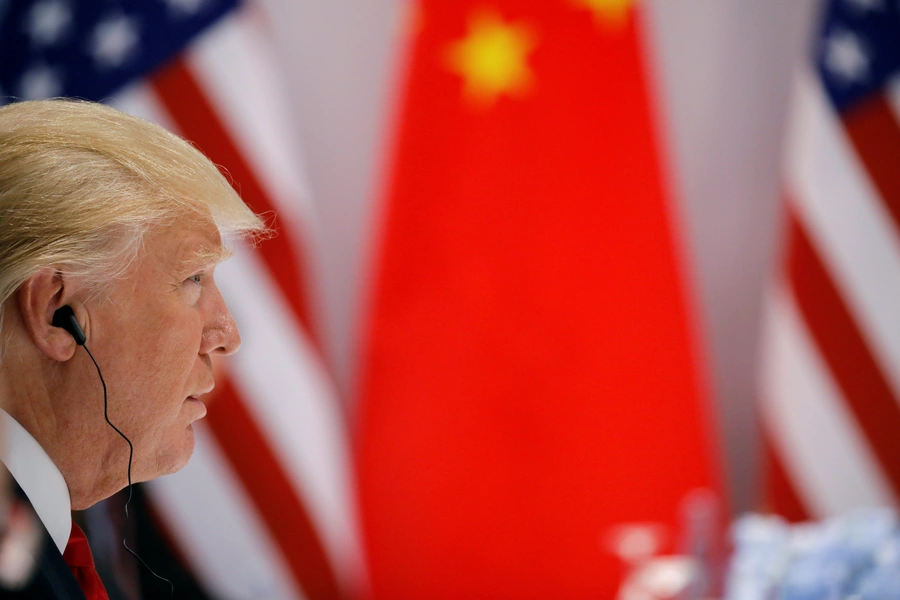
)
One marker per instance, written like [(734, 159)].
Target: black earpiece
[(64, 317)]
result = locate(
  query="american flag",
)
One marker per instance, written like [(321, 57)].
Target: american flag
[(264, 509), (831, 385)]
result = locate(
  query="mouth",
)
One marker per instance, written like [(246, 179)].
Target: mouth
[(194, 398), (198, 404)]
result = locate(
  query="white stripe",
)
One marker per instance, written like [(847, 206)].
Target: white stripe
[(235, 66), (295, 403), (223, 538), (848, 223), (824, 453)]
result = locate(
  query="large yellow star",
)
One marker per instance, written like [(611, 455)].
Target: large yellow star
[(491, 58), (608, 12)]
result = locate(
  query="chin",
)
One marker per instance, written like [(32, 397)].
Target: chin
[(173, 457), (180, 461)]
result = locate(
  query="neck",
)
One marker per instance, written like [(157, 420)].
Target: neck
[(49, 400)]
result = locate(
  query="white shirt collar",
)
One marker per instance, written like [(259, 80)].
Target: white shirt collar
[(39, 478)]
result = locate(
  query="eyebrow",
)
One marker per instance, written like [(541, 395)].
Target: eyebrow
[(204, 256), (214, 255)]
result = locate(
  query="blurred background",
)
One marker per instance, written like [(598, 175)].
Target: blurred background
[(498, 349)]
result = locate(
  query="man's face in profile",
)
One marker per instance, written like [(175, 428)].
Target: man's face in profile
[(153, 338)]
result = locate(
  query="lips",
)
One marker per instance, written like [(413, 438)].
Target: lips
[(196, 402), (194, 398)]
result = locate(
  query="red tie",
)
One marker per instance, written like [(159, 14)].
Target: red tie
[(79, 558)]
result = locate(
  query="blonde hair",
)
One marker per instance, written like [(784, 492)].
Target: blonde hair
[(81, 183)]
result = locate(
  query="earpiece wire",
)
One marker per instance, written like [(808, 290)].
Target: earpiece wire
[(130, 486)]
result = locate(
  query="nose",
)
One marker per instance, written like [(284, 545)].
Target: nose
[(220, 335)]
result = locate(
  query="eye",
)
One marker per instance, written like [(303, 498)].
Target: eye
[(192, 288)]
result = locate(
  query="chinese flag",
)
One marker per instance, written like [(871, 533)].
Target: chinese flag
[(530, 380)]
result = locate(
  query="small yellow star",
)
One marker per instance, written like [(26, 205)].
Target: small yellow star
[(492, 58), (608, 12)]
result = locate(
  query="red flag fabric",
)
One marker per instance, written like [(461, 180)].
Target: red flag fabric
[(831, 381), (531, 377)]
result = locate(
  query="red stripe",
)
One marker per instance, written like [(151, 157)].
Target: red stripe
[(864, 388), (244, 445), (780, 494), (874, 132), (197, 121)]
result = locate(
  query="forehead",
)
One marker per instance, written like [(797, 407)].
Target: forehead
[(186, 243)]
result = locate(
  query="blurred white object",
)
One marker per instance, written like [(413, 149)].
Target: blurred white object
[(856, 555), (660, 578)]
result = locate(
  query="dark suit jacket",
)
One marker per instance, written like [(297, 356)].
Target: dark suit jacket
[(52, 578)]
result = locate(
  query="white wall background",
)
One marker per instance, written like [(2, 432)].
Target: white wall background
[(723, 70)]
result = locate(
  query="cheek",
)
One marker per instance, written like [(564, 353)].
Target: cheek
[(157, 347), (174, 368), (160, 359), (173, 340), (159, 374)]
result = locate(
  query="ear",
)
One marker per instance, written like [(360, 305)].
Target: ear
[(38, 298)]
